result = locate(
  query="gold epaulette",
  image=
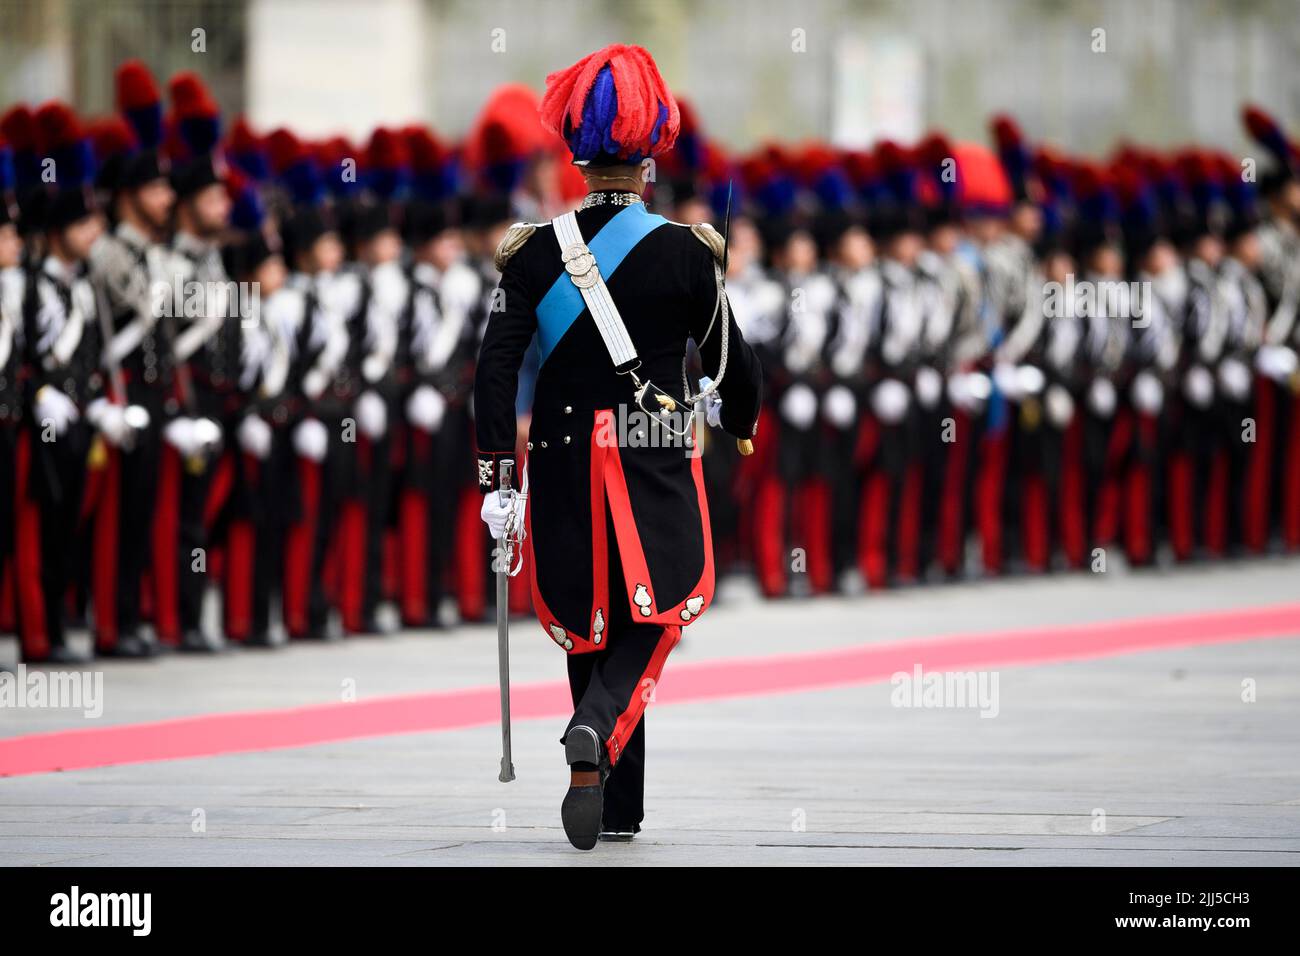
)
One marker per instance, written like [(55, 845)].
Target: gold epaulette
[(512, 242), (711, 238)]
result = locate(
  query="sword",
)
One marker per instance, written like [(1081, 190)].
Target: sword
[(503, 626)]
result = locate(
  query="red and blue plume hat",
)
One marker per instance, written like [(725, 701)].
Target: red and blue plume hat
[(247, 151), (336, 159), (1266, 131), (612, 107), (140, 103), (60, 137), (434, 173), (196, 130), (387, 164), (295, 167)]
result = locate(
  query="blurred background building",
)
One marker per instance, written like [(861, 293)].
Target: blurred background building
[(1082, 74)]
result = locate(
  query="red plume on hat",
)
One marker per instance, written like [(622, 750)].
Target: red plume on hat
[(506, 135), (197, 117), (1266, 131), (612, 106), (139, 101)]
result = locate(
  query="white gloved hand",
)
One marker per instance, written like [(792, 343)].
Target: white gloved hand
[(372, 415), (889, 401), (1102, 398), (425, 408), (969, 391), (311, 439), (929, 387), (1276, 362), (207, 435), (314, 382), (373, 368), (839, 406), (495, 514), (1234, 379), (1147, 393), (799, 406), (56, 408), (179, 433), (1198, 386), (1008, 383), (712, 404), (255, 436), (1059, 405), (110, 419)]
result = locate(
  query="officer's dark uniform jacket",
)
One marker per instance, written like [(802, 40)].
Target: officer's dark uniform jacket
[(665, 291)]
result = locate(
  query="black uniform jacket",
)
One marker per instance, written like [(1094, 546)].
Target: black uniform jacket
[(590, 451)]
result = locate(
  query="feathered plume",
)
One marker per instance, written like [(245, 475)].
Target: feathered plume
[(139, 101)]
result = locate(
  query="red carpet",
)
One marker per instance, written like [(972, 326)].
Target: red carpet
[(245, 731)]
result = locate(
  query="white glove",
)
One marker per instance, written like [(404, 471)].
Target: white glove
[(929, 387), (314, 382), (1008, 383), (1101, 397), (495, 514), (799, 406), (1234, 378), (889, 401), (311, 440), (1276, 362), (969, 391), (712, 404), (55, 407), (839, 406), (1060, 406), (372, 415), (373, 368), (425, 408), (1198, 386), (179, 433), (207, 435), (255, 436), (1147, 393), (110, 419)]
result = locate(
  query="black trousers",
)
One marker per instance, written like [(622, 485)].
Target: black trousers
[(610, 690)]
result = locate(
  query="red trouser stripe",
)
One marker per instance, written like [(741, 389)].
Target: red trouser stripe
[(241, 547), (1033, 521), (352, 563), (1074, 530), (814, 500), (298, 548), (909, 522), (27, 555), (769, 523), (471, 557), (988, 499), (952, 516), (412, 527), (1259, 469), (873, 530), (104, 570), (1291, 474), (166, 535), (642, 694), (1216, 505)]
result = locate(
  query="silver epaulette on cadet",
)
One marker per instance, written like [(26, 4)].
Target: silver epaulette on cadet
[(512, 242), (711, 238)]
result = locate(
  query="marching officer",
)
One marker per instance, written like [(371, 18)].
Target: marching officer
[(616, 518)]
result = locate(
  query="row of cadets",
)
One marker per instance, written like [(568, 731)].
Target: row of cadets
[(435, 371)]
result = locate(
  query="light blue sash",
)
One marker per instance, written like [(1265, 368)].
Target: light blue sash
[(563, 303)]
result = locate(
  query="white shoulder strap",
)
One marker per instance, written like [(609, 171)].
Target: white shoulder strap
[(583, 271)]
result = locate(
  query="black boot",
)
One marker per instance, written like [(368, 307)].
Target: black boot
[(58, 654), (129, 646), (583, 804)]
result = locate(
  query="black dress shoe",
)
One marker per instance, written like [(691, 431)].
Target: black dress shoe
[(129, 646), (617, 836), (198, 641), (584, 803), (58, 654)]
